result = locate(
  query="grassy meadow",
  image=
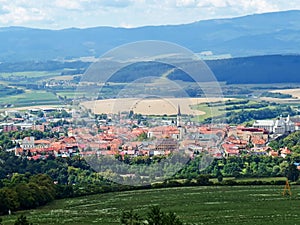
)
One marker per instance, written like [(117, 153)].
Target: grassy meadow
[(31, 98), (218, 110), (31, 74), (247, 205)]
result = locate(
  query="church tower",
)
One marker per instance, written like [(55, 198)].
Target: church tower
[(179, 125), (178, 122)]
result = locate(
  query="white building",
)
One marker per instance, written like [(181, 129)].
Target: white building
[(27, 143), (276, 126)]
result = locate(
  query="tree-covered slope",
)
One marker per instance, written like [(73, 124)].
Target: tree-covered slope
[(260, 34)]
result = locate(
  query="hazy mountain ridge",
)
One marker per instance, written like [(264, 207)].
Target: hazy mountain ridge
[(260, 34)]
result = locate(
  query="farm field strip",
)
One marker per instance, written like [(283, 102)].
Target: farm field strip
[(166, 106), (31, 74), (31, 98)]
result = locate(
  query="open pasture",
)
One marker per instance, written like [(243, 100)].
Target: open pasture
[(31, 98), (214, 205), (31, 74)]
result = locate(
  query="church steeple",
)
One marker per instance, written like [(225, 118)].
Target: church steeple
[(178, 123), (178, 111)]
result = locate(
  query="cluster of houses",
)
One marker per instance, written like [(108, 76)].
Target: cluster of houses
[(41, 149), (129, 139), (250, 140), (217, 141)]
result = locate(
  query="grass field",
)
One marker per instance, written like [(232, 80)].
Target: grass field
[(247, 205), (209, 111), (215, 111), (71, 94), (31, 74), (30, 98), (239, 180)]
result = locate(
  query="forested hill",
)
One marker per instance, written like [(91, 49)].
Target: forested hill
[(259, 34), (257, 69), (245, 70)]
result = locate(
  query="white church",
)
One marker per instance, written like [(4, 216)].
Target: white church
[(277, 126)]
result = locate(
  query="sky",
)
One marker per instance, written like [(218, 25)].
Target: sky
[(60, 14)]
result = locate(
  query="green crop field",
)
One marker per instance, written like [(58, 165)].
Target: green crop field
[(31, 98), (31, 74), (247, 205), (71, 94)]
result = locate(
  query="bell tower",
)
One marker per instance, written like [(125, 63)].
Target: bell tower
[(178, 122)]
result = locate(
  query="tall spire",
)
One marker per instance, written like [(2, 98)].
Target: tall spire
[(178, 112), (178, 117)]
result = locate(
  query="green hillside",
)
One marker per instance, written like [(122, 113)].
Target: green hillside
[(245, 205)]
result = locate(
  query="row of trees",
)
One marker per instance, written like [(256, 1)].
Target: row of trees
[(6, 91), (275, 95), (248, 106), (77, 171), (242, 116), (245, 166), (55, 114)]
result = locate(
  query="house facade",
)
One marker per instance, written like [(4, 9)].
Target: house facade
[(278, 126)]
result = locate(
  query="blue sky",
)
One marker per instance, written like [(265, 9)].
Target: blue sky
[(58, 14)]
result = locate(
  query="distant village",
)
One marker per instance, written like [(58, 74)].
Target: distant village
[(125, 135)]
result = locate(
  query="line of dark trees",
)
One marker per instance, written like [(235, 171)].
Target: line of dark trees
[(245, 166), (6, 91), (275, 95), (242, 116)]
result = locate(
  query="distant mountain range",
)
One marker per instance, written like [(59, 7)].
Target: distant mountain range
[(260, 34)]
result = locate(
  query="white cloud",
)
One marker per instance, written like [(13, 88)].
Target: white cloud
[(128, 13), (186, 3), (18, 15), (68, 4), (217, 3), (115, 3), (263, 6)]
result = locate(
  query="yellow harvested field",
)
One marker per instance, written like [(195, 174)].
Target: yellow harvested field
[(294, 92), (168, 106)]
